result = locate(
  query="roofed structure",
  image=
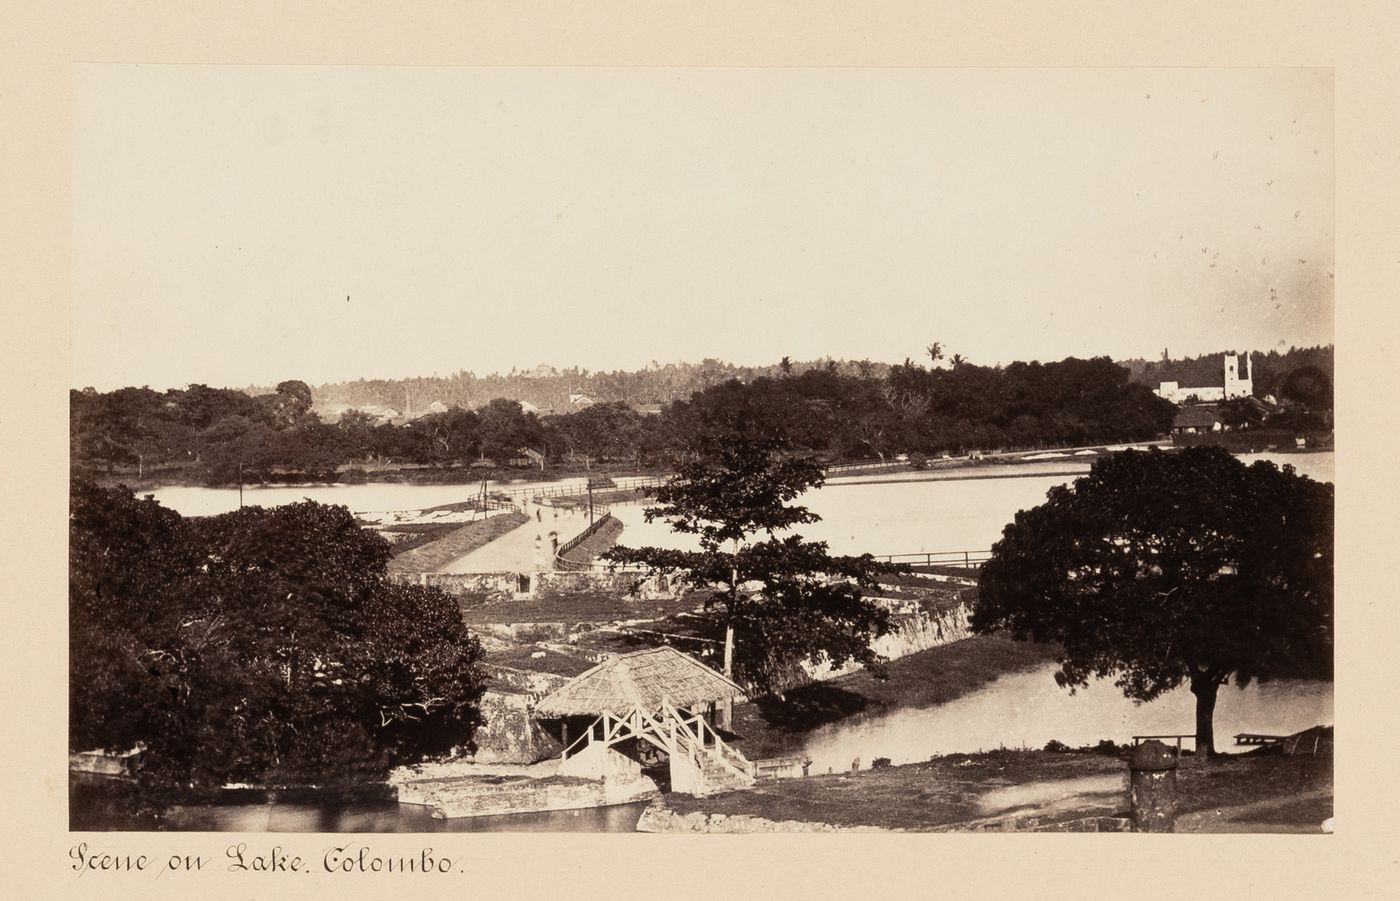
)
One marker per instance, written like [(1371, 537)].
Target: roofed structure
[(640, 679), (1204, 418)]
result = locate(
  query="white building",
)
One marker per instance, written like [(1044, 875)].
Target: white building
[(1234, 385)]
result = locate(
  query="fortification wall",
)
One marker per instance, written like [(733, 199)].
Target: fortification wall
[(494, 585), (912, 632), (509, 732)]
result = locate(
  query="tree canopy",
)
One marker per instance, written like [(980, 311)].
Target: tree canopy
[(1160, 569), (828, 409), (782, 600), (263, 646)]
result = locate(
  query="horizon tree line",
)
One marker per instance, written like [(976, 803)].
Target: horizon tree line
[(834, 411)]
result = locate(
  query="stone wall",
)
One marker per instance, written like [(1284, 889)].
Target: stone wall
[(494, 585), (912, 632), (507, 585), (921, 631), (509, 732), (641, 585), (450, 799)]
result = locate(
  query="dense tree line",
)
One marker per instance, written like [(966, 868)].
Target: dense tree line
[(1270, 369), (264, 646), (834, 411), (548, 388)]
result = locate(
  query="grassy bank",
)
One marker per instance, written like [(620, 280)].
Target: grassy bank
[(923, 796), (603, 537), (773, 727), (1248, 793)]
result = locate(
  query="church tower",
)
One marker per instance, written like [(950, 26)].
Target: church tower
[(1235, 385)]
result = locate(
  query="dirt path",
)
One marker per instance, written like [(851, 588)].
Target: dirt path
[(515, 550), (1053, 796)]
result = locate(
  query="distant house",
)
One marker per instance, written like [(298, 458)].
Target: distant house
[(332, 413), (438, 406), (1232, 384), (648, 409), (381, 412), (542, 371), (527, 407), (1196, 420), (578, 400)]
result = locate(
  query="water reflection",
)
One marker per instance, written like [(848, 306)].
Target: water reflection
[(94, 806), (1027, 710)]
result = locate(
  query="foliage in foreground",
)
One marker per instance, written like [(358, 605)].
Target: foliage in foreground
[(264, 646), (1163, 569)]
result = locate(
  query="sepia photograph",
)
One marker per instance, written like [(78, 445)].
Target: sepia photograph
[(701, 450)]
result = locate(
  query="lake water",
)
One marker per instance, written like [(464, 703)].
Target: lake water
[(371, 497), (93, 808), (1027, 710), (893, 514)]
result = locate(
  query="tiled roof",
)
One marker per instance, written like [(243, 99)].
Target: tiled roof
[(1195, 417)]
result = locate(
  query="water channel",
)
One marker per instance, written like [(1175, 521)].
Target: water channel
[(1028, 710)]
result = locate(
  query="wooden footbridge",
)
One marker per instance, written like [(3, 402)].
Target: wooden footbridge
[(642, 705)]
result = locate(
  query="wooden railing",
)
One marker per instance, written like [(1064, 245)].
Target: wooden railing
[(674, 732), (875, 463), (725, 754), (960, 559), (562, 561), (581, 491)]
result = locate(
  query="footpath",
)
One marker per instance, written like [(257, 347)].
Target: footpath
[(515, 551)]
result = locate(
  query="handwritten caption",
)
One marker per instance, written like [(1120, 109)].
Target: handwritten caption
[(348, 858)]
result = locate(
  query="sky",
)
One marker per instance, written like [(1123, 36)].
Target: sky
[(239, 226)]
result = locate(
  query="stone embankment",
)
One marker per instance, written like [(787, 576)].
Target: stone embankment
[(436, 554), (914, 629), (496, 795)]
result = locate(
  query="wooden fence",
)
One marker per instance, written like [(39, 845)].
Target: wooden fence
[(563, 561), (959, 559)]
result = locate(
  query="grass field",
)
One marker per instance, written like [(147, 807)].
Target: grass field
[(1245, 793)]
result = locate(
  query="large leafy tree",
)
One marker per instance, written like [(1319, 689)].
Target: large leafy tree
[(506, 428), (1162, 569), (787, 599), (265, 645)]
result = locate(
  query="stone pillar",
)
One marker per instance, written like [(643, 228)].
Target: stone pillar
[(1152, 790)]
